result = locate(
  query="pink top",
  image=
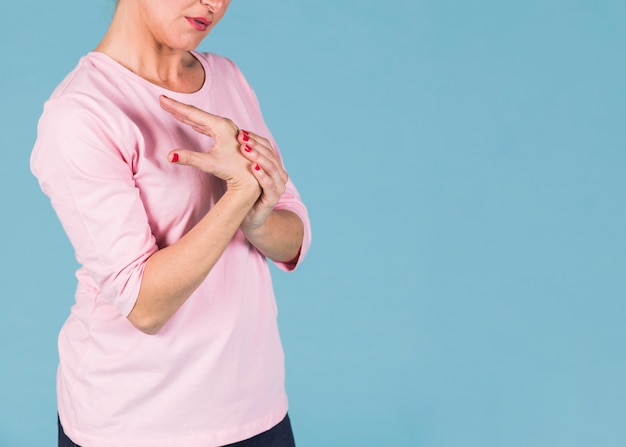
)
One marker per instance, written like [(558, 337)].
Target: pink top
[(214, 374)]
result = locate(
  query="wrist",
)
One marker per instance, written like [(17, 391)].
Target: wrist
[(253, 229), (245, 187)]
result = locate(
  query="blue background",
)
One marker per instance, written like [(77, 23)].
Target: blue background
[(464, 167)]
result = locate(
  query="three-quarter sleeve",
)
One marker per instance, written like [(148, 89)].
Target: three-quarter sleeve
[(291, 201), (88, 176)]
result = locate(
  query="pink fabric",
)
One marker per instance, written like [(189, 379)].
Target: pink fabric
[(214, 374)]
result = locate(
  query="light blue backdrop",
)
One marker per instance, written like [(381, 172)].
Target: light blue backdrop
[(464, 165)]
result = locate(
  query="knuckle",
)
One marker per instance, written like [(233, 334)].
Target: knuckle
[(271, 170), (228, 125), (183, 157), (191, 158), (189, 109)]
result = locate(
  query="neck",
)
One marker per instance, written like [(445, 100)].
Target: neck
[(139, 51)]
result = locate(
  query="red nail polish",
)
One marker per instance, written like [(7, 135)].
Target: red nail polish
[(247, 148), (245, 136), (257, 167), (175, 158)]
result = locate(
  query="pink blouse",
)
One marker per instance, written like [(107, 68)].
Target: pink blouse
[(214, 374)]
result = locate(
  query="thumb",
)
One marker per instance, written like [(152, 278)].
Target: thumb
[(188, 158)]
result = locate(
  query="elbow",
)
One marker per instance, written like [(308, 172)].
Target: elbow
[(149, 330), (147, 325), (293, 261)]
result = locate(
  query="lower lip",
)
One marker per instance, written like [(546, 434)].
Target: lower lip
[(197, 25)]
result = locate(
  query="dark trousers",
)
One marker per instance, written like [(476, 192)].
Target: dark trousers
[(280, 435)]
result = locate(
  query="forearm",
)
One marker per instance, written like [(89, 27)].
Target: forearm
[(173, 273), (280, 237)]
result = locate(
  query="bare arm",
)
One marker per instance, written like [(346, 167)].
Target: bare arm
[(280, 237), (173, 273)]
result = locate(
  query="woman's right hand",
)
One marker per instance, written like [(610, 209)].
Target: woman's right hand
[(224, 160)]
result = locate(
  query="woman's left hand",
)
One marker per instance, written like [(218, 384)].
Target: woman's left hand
[(269, 172)]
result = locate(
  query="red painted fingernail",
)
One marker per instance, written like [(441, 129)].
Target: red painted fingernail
[(257, 167), (175, 158), (245, 136), (247, 148)]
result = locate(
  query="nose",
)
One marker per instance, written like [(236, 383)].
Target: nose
[(214, 5)]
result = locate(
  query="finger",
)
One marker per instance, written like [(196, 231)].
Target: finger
[(255, 147), (272, 190), (200, 120), (245, 136), (190, 158), (272, 176), (267, 161)]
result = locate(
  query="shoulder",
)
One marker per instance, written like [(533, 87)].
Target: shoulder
[(83, 115), (95, 91), (89, 79), (81, 99)]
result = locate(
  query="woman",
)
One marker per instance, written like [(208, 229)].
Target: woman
[(169, 185)]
